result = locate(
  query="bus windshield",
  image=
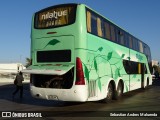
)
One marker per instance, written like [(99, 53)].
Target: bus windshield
[(55, 16)]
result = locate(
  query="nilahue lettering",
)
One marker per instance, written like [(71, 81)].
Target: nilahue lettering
[(54, 14)]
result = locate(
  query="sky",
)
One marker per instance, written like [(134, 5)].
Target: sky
[(141, 18)]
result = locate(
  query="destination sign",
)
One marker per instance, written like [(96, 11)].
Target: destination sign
[(55, 17)]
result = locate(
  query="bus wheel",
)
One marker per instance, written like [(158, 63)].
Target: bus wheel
[(109, 94), (119, 91)]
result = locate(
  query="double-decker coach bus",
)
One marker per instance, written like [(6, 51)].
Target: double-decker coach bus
[(79, 55)]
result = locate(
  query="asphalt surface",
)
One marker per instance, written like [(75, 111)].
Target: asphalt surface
[(140, 101)]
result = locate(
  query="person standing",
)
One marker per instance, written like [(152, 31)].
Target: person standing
[(19, 86), (156, 74)]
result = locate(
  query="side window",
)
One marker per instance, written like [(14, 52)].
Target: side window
[(132, 67), (88, 21), (126, 39), (102, 28), (140, 47), (113, 37), (144, 49), (99, 27), (134, 43), (94, 24), (120, 37), (147, 53), (107, 33), (137, 45), (130, 42), (126, 66)]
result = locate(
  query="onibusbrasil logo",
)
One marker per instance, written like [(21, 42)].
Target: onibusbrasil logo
[(21, 114)]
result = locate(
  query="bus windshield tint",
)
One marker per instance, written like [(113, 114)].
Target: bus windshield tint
[(55, 16)]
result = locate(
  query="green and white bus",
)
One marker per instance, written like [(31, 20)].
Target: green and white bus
[(79, 55)]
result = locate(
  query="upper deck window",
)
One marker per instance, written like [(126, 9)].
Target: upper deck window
[(55, 16)]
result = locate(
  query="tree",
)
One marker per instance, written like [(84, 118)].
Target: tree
[(28, 62), (159, 69), (156, 68)]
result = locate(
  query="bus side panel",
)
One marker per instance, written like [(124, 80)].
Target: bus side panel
[(104, 63)]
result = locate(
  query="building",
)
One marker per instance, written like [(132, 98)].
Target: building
[(12, 68), (154, 62), (8, 72)]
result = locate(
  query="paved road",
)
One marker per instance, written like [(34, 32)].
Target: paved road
[(139, 100)]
